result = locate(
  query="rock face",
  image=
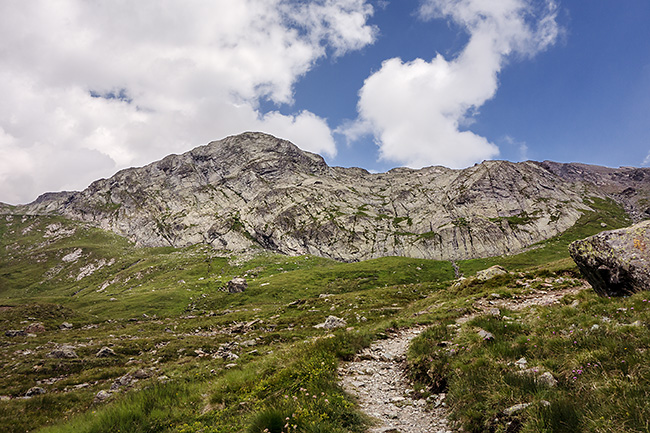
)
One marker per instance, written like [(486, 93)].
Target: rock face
[(628, 186), (255, 190), (616, 262)]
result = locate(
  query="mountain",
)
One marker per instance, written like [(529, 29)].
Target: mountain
[(98, 334), (255, 190)]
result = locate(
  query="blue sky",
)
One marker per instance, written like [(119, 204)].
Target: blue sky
[(585, 99), (90, 88)]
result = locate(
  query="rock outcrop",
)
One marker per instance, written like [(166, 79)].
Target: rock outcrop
[(332, 322), (105, 352), (63, 352), (491, 272), (237, 285), (36, 390), (628, 186), (616, 262), (255, 190)]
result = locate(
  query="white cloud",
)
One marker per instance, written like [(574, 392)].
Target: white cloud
[(522, 147), (417, 110), (646, 161), (91, 87)]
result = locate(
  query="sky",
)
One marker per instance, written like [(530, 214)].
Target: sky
[(89, 87)]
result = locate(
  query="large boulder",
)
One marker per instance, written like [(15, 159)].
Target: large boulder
[(616, 262), (491, 272), (332, 322), (63, 352), (237, 285)]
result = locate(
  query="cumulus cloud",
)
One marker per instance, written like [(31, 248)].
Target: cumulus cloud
[(646, 161), (91, 87), (419, 111)]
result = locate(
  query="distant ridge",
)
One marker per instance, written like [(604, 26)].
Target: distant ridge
[(255, 190)]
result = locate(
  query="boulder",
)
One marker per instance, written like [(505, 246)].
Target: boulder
[(37, 390), (547, 379), (102, 396), (516, 408), (35, 328), (63, 352), (237, 285), (491, 272), (122, 381), (105, 352), (15, 333), (332, 322), (485, 335), (141, 374), (616, 262)]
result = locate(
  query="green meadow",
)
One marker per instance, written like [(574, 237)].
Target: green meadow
[(190, 357)]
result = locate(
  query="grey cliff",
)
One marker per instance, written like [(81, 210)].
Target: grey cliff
[(255, 190)]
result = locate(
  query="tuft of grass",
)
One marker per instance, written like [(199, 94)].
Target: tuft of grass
[(561, 416), (273, 420), (152, 409)]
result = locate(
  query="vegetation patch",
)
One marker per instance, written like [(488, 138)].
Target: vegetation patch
[(591, 347), (187, 356), (516, 220)]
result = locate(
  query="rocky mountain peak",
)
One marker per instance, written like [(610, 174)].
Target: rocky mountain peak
[(255, 190), (261, 153)]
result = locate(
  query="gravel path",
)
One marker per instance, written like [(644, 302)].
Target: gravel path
[(377, 378)]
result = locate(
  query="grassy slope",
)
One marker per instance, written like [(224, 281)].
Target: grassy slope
[(607, 215), (165, 307)]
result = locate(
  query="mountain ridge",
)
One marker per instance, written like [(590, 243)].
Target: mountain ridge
[(255, 190)]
